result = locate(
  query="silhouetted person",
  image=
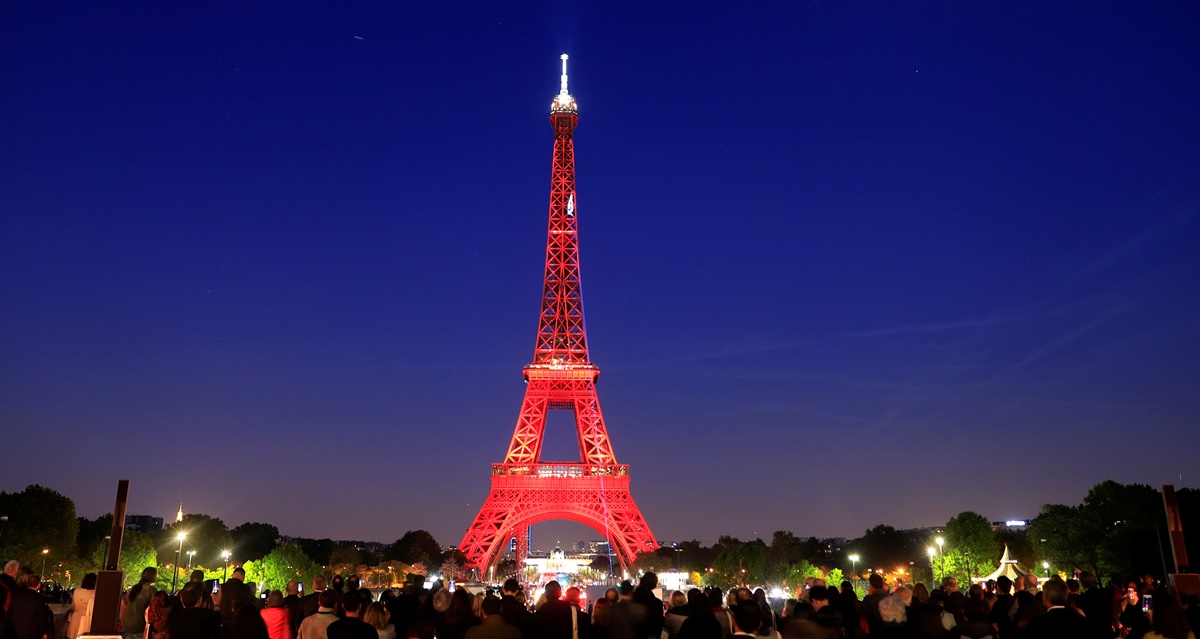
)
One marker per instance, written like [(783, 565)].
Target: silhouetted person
[(700, 623), (190, 621), (27, 610), (1058, 622), (557, 618), (234, 594), (352, 627), (514, 612), (652, 626), (494, 625)]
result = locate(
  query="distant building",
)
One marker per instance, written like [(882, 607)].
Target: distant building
[(1010, 524), (592, 547), (144, 523)]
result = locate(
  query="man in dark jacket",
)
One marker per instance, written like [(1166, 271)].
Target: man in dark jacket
[(1058, 622), (30, 616), (652, 626), (352, 627), (234, 594), (494, 626), (558, 619), (310, 602), (190, 621), (1096, 606), (511, 609)]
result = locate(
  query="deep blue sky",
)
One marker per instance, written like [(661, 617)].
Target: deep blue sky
[(845, 263)]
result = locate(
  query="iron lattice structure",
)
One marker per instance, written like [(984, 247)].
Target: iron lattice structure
[(525, 489)]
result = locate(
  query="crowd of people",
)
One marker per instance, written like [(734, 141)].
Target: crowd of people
[(343, 609)]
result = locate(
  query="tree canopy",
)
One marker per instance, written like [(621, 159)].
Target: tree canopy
[(253, 540), (207, 535), (416, 546), (283, 564), (38, 519)]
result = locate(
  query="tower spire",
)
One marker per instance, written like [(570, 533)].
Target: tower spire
[(563, 78), (563, 102)]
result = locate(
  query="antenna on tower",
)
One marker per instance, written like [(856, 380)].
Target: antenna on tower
[(563, 102), (563, 78)]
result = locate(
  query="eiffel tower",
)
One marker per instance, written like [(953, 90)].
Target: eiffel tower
[(525, 489)]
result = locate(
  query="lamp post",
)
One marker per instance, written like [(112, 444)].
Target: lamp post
[(225, 575), (854, 570), (3, 523), (1045, 562), (967, 554), (942, 554), (45, 551), (191, 553), (175, 568), (932, 573), (678, 559)]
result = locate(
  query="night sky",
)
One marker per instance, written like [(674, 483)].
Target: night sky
[(845, 263)]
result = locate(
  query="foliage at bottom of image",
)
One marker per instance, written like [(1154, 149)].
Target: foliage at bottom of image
[(1116, 529)]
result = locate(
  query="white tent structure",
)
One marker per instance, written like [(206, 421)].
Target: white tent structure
[(1008, 568)]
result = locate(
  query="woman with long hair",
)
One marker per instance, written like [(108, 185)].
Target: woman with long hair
[(1167, 619), (81, 607), (377, 616), (137, 600), (676, 614), (156, 616)]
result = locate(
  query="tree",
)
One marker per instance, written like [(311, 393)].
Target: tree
[(800, 571), (390, 573), (92, 533), (318, 549), (741, 562), (884, 547), (345, 554), (416, 546), (1133, 518), (786, 548), (970, 546), (253, 541), (38, 519), (1071, 539), (694, 556), (206, 535), (652, 561), (137, 552), (286, 563), (1117, 528), (453, 570)]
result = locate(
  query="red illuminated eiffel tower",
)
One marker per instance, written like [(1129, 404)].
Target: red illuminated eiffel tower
[(525, 489)]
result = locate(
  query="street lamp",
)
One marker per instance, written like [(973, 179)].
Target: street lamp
[(1045, 562), (941, 541), (3, 523), (932, 574), (175, 568), (678, 560), (225, 556), (45, 551), (854, 568), (191, 553)]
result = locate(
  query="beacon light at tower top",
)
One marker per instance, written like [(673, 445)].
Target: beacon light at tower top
[(563, 101)]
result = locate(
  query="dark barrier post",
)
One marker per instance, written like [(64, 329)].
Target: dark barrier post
[(110, 582)]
